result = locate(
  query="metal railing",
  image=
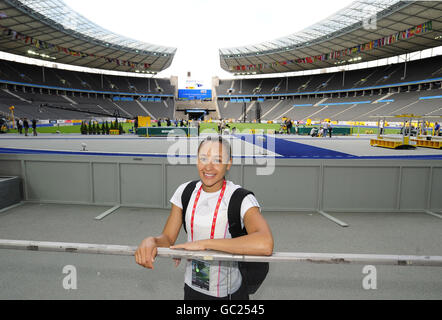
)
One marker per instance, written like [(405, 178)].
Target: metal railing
[(320, 258)]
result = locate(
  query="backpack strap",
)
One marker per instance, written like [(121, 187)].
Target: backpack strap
[(252, 273), (185, 199), (234, 212)]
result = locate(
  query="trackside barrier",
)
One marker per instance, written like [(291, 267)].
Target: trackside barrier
[(321, 258)]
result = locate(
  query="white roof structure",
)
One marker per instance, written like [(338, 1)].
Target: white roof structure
[(56, 26), (359, 23)]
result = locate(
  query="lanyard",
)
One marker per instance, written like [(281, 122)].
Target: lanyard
[(215, 215)]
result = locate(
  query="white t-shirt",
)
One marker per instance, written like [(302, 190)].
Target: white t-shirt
[(223, 275)]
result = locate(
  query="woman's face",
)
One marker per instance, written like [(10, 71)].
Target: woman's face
[(213, 164)]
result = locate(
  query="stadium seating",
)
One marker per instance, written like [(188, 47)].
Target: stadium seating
[(390, 74), (346, 105), (26, 73), (361, 108), (27, 100), (29, 105)]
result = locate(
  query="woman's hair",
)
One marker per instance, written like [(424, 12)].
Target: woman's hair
[(226, 144)]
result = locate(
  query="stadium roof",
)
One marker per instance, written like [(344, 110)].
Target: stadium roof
[(352, 27), (51, 30)]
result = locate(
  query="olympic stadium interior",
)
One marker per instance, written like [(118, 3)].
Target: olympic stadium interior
[(390, 88), (327, 194), (352, 95)]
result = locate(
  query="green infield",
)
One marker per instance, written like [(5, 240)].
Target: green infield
[(240, 127), (246, 127), (67, 129), (213, 127)]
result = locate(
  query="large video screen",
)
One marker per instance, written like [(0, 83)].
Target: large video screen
[(194, 90), (193, 94)]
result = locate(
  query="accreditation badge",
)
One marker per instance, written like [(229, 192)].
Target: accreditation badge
[(201, 274)]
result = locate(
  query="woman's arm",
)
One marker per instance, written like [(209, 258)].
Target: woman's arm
[(258, 241), (147, 250)]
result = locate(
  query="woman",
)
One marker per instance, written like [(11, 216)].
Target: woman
[(207, 226)]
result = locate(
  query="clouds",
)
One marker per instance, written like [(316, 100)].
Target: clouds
[(198, 28)]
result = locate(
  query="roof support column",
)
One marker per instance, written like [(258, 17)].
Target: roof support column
[(405, 66), (343, 78)]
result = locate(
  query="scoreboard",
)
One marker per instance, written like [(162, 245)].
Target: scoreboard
[(194, 94), (194, 90)]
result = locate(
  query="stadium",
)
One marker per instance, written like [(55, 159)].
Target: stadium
[(339, 121)]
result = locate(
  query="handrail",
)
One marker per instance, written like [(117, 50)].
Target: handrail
[(320, 258)]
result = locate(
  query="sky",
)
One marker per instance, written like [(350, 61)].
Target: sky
[(198, 28)]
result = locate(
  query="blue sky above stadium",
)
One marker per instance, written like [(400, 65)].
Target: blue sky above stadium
[(198, 28)]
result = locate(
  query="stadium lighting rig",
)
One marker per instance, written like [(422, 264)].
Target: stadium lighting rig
[(41, 55)]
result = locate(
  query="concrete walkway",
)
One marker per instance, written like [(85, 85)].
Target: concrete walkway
[(39, 275)]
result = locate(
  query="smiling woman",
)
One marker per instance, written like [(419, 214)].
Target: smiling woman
[(217, 215)]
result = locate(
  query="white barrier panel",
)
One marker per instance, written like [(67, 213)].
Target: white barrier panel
[(323, 258)]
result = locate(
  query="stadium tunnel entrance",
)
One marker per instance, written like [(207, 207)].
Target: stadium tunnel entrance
[(196, 114)]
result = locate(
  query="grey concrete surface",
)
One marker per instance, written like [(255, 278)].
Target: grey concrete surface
[(38, 275)]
